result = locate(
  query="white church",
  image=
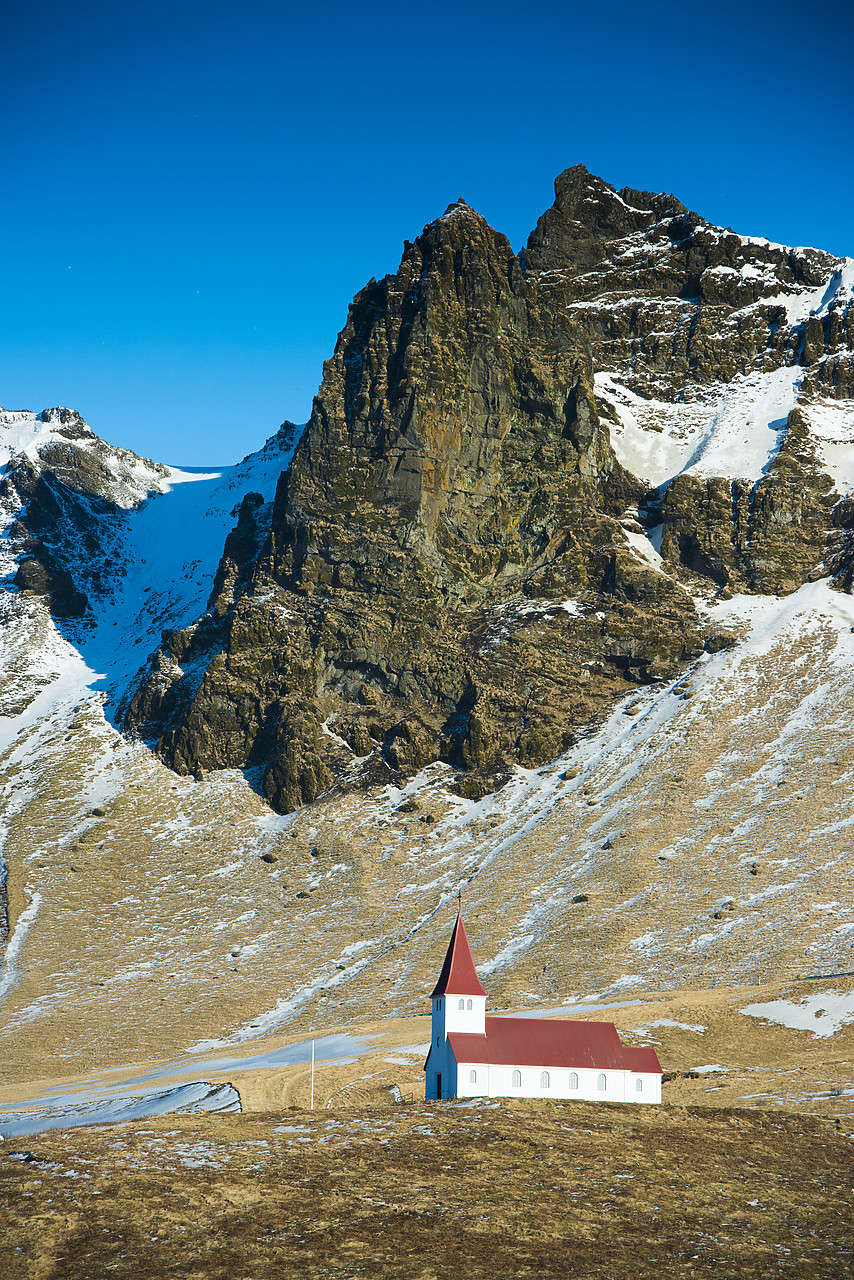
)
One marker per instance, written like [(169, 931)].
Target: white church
[(472, 1056)]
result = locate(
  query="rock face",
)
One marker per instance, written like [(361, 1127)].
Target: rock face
[(63, 494), (457, 564), (770, 536)]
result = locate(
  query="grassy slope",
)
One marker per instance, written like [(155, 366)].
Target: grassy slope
[(523, 1189), (160, 925)]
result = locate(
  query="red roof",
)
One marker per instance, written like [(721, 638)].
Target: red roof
[(548, 1042), (458, 976)]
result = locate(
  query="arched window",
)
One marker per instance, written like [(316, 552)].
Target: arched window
[(601, 1083), (573, 1079), (469, 1004), (545, 1080), (461, 1003), (472, 1076), (639, 1086), (517, 1079)]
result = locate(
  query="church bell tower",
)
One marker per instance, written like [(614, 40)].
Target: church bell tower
[(459, 1000)]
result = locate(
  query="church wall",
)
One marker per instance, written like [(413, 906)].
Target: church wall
[(497, 1082), (471, 1021), (447, 1015), (441, 1062)]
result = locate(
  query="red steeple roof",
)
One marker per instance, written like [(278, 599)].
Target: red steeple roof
[(458, 976)]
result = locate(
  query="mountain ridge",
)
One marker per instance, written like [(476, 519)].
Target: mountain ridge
[(458, 456)]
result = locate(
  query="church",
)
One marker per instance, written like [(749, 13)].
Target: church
[(472, 1056)]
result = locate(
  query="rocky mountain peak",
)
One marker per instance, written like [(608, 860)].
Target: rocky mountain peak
[(63, 495), (454, 493), (520, 474), (459, 206), (589, 215), (590, 209), (66, 420)]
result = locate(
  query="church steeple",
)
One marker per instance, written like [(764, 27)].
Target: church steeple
[(459, 1000), (458, 976)]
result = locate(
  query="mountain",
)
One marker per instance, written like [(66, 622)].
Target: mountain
[(519, 471), (550, 600)]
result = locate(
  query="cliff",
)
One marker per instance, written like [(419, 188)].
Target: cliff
[(468, 558)]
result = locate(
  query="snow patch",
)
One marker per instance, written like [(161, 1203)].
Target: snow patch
[(25, 919), (732, 430), (823, 1013), (79, 1109), (698, 1028), (831, 425)]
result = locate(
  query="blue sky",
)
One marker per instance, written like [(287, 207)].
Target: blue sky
[(194, 191)]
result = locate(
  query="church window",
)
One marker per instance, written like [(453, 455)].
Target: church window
[(472, 1077), (462, 1004), (517, 1079), (469, 1004), (545, 1080), (602, 1083), (573, 1079), (639, 1086)]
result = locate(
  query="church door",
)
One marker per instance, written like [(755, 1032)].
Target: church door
[(438, 1084)]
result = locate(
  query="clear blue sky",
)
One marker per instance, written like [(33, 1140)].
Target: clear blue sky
[(194, 191)]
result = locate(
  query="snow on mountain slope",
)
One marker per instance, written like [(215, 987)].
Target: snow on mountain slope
[(733, 430), (23, 432), (165, 533), (165, 546), (695, 833), (171, 550), (838, 292), (831, 424), (702, 340), (55, 434)]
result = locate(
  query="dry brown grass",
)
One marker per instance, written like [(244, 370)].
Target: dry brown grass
[(132, 953), (521, 1189)]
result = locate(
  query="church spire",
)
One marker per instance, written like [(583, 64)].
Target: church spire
[(458, 976)]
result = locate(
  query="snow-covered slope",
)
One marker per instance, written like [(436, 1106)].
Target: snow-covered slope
[(160, 537), (22, 433), (54, 438), (831, 426), (170, 551), (735, 428)]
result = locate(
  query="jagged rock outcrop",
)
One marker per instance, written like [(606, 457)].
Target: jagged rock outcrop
[(454, 567), (767, 536), (64, 494), (662, 295)]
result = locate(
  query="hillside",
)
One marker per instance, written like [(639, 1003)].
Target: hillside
[(486, 1191), (549, 602)]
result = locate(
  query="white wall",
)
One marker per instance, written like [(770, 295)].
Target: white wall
[(496, 1082), (448, 1016)]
